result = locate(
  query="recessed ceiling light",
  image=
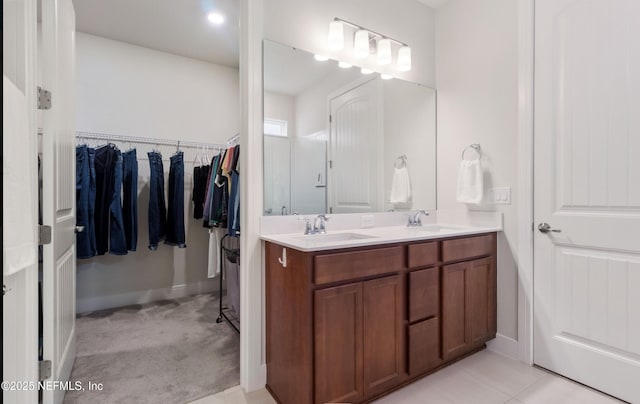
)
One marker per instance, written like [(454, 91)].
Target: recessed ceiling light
[(386, 76), (215, 18), (320, 58), (364, 70), (344, 65)]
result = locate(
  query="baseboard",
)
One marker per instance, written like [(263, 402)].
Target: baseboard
[(505, 346), (84, 305)]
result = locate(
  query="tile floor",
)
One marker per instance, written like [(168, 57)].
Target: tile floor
[(484, 378)]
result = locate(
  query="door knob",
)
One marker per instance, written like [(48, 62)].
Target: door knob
[(78, 229), (546, 228)]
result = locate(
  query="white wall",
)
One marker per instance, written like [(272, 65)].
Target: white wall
[(305, 23), (130, 90), (476, 78), (410, 130)]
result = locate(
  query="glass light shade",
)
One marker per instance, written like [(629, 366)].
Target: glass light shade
[(364, 70), (386, 76), (384, 51), (320, 58), (404, 59), (336, 35), (361, 44), (344, 65)]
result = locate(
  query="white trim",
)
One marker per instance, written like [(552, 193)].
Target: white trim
[(85, 305), (252, 370), (504, 346), (525, 178)]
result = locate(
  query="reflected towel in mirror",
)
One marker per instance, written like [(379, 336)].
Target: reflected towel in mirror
[(400, 186)]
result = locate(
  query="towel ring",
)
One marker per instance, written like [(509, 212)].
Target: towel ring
[(403, 161), (474, 146)]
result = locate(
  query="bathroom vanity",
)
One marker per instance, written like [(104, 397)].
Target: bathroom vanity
[(353, 316)]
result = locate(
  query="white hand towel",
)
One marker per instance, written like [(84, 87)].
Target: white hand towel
[(18, 176), (213, 262), (470, 184), (400, 186)]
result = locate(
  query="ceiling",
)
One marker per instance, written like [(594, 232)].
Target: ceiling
[(160, 25), (183, 30), (289, 72)]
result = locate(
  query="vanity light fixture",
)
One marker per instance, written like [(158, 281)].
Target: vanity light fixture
[(404, 59), (364, 70), (384, 51), (362, 44), (336, 35), (345, 65), (385, 76), (215, 18), (320, 58)]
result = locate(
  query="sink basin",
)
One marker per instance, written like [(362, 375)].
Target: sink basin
[(329, 238)]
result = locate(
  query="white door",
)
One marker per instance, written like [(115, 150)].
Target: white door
[(20, 265), (587, 186), (277, 175), (355, 153), (58, 149)]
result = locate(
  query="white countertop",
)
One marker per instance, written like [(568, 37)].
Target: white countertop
[(338, 239)]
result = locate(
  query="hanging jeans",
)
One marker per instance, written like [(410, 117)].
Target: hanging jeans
[(130, 198), (157, 207), (105, 161), (117, 239), (175, 213), (85, 202), (233, 219)]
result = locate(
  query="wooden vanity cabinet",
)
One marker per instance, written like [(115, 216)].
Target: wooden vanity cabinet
[(348, 326)]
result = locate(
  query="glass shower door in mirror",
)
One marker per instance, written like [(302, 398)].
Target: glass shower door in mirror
[(277, 168)]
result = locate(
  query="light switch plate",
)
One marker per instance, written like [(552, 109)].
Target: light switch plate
[(366, 221), (499, 196)]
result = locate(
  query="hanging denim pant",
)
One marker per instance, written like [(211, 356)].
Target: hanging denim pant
[(85, 203), (117, 240), (157, 207), (175, 213), (105, 161), (130, 198)]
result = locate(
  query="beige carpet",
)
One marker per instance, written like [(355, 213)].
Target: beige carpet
[(169, 352)]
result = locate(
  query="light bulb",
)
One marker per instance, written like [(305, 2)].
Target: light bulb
[(361, 44), (404, 59), (364, 70), (320, 58), (215, 18), (384, 51), (386, 76), (344, 65), (336, 35)]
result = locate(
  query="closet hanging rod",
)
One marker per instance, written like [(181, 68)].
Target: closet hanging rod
[(146, 140)]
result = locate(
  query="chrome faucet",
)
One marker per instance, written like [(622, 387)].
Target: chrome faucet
[(318, 226), (414, 218)]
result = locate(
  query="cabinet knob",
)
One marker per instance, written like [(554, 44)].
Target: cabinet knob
[(283, 260)]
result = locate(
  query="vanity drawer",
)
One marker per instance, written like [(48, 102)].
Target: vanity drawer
[(423, 254), (424, 294), (424, 346), (458, 249), (352, 265)]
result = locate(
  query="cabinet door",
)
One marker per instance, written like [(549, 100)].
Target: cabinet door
[(338, 344), (383, 342), (468, 305), (454, 314), (481, 301)]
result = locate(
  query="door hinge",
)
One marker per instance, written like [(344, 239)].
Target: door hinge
[(330, 209), (44, 98), (330, 163), (330, 119), (44, 370), (44, 235)]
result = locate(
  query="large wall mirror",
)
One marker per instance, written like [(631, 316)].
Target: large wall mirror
[(340, 141)]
